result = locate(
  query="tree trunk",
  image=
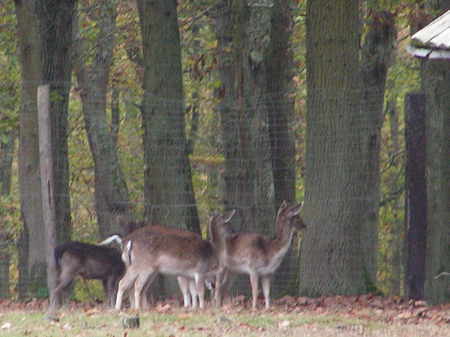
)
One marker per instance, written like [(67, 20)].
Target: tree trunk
[(279, 63), (31, 253), (377, 53), (436, 85), (55, 30), (7, 145), (44, 31), (336, 160), (111, 192), (436, 82), (168, 191), (244, 33), (396, 245)]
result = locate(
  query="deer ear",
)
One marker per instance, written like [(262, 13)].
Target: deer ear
[(227, 217), (295, 210)]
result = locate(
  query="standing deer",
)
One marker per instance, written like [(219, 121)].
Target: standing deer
[(252, 253), (187, 286), (90, 262), (152, 253)]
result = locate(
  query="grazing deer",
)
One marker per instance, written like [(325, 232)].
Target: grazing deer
[(187, 286), (252, 253), (90, 262), (151, 254)]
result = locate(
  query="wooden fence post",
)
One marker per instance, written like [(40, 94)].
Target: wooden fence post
[(416, 194), (47, 189)]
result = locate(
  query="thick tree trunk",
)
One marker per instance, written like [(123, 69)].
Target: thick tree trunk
[(377, 52), (279, 64), (336, 162), (244, 33), (44, 31), (168, 190), (55, 29), (436, 83), (31, 253), (111, 192)]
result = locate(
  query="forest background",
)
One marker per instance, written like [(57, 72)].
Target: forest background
[(166, 111)]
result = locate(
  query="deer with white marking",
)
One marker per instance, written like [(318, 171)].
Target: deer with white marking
[(151, 254), (252, 253), (187, 286)]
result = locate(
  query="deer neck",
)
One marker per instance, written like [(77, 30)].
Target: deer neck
[(283, 238)]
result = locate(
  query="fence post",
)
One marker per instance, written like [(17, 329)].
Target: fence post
[(416, 196), (47, 189)]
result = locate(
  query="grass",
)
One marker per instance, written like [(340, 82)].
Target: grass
[(177, 322)]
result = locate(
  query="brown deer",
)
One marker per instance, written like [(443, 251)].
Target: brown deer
[(187, 286), (252, 253), (90, 262), (151, 253)]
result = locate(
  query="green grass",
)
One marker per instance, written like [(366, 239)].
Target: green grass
[(211, 322)]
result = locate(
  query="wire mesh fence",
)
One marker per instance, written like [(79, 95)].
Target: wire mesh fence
[(231, 166)]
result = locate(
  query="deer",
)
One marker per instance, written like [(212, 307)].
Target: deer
[(187, 286), (89, 261), (253, 253), (151, 254)]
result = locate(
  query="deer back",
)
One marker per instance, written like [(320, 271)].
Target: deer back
[(172, 253), (90, 261)]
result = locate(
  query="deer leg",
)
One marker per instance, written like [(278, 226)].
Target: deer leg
[(143, 279), (125, 283), (254, 282), (145, 304), (193, 292), (219, 286), (227, 282), (265, 280), (110, 285), (65, 279), (200, 285), (183, 283)]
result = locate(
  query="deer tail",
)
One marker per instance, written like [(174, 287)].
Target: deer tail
[(111, 239)]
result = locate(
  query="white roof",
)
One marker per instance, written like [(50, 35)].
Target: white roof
[(433, 41)]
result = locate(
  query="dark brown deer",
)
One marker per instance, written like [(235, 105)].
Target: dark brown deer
[(252, 253), (187, 286), (90, 262), (151, 254)]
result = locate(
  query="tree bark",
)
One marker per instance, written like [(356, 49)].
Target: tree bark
[(7, 145), (45, 35), (111, 193), (436, 82), (243, 31), (377, 54), (279, 64), (31, 253), (436, 85), (55, 29), (168, 190), (336, 162)]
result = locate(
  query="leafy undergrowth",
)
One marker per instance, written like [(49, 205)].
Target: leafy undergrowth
[(290, 316)]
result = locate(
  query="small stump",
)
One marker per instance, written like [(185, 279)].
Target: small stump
[(131, 322)]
